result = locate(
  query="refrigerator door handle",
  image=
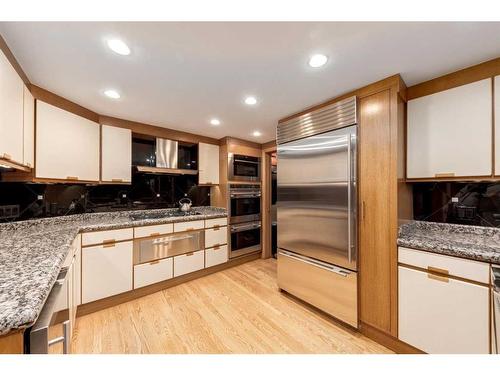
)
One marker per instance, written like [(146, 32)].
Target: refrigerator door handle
[(316, 263), (349, 192)]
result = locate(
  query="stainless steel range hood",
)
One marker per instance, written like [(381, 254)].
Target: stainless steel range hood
[(167, 152)]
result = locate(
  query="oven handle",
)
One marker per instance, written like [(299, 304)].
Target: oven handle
[(242, 195), (241, 228), (246, 161)]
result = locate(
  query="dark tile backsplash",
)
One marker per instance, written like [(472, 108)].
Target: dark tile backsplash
[(478, 203), (147, 191)]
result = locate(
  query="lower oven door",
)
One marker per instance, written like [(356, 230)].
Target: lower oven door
[(48, 335), (244, 208), (245, 238)]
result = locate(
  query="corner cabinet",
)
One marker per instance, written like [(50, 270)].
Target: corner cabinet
[(67, 145), (449, 133), (29, 128), (116, 166), (11, 112), (208, 156)]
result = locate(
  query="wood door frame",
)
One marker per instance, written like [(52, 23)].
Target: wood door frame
[(267, 150)]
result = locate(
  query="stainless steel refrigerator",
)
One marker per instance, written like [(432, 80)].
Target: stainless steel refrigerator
[(317, 219)]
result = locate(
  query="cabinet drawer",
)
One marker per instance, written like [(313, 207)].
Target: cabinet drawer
[(189, 225), (153, 272), (219, 222), (106, 270), (467, 269), (153, 230), (189, 263), (95, 238), (442, 315), (215, 236), (215, 255)]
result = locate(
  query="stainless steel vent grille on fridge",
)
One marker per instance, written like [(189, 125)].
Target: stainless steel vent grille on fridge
[(334, 116)]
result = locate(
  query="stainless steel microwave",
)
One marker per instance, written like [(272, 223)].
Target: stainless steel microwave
[(243, 168)]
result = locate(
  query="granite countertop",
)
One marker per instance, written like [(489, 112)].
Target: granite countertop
[(32, 253), (465, 241)]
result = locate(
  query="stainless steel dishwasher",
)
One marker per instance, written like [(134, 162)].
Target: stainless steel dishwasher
[(495, 313), (153, 248)]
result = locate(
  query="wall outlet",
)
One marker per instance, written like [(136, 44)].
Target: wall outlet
[(454, 200)]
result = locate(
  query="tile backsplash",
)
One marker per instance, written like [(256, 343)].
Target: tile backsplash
[(458, 203), (20, 201)]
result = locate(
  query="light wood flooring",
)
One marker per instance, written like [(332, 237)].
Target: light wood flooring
[(238, 310)]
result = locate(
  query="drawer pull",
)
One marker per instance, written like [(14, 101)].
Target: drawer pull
[(438, 271), (7, 156), (189, 254), (155, 262), (116, 180), (217, 247), (154, 234), (189, 229), (108, 243), (444, 175), (216, 227), (443, 279), (72, 178)]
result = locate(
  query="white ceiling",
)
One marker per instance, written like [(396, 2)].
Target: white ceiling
[(180, 75)]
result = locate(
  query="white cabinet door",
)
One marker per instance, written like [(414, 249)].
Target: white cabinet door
[(106, 270), (449, 133), (208, 161), (442, 315), (11, 112), (29, 128), (116, 154), (67, 145), (497, 125), (153, 272)]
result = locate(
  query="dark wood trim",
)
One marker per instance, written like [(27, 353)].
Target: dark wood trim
[(156, 131), (239, 142), (65, 104), (370, 89), (471, 74), (388, 341), (13, 61), (137, 293)]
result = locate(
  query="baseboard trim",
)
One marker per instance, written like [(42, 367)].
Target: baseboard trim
[(387, 340), (104, 303)]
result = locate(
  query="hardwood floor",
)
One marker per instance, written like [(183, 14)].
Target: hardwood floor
[(238, 310)]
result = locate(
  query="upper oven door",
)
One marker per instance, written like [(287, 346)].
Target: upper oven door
[(244, 168), (244, 207)]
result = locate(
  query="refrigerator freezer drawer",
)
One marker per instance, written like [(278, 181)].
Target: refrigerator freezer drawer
[(329, 288)]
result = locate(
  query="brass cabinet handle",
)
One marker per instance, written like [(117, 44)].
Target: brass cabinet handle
[(189, 254), (441, 271), (117, 180), (154, 262), (444, 175), (189, 229), (108, 243), (154, 234), (443, 279), (217, 247), (72, 178), (216, 227)]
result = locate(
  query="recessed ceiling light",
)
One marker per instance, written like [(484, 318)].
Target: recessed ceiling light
[(250, 100), (118, 46), (113, 94), (215, 122), (317, 60), (257, 133)]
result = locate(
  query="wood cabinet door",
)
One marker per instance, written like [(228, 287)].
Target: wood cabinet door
[(208, 156), (11, 112), (441, 315), (449, 133), (67, 145), (106, 270), (497, 126), (116, 154), (374, 210), (29, 128)]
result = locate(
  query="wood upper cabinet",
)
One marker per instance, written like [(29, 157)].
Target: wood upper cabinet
[(116, 154), (208, 161), (11, 112), (375, 197), (67, 145), (29, 128), (449, 133), (497, 125)]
